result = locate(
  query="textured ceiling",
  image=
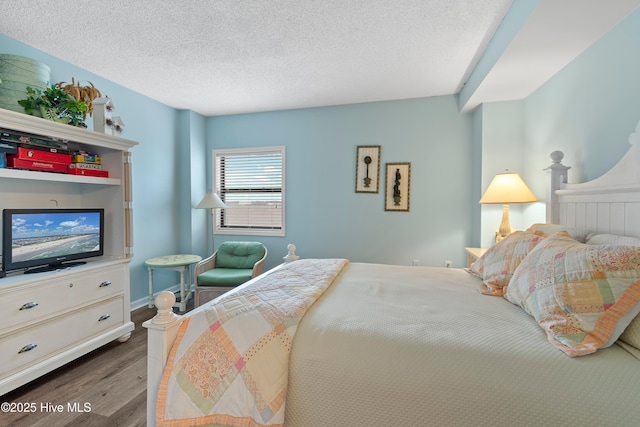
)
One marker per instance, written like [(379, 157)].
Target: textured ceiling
[(232, 56), (237, 56)]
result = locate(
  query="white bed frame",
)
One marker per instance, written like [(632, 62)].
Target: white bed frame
[(609, 204)]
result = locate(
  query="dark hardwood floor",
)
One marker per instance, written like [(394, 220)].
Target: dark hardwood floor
[(108, 387)]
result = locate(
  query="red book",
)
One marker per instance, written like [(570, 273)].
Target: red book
[(14, 162), (25, 153), (88, 172)]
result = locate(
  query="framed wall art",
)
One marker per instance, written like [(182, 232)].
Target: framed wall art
[(368, 169), (398, 185)]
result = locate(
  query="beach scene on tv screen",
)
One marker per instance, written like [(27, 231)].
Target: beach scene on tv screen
[(45, 235)]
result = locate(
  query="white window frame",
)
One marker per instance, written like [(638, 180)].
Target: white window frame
[(217, 188)]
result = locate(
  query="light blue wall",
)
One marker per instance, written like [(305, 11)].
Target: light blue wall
[(502, 148), (327, 218), (192, 172), (588, 109), (476, 176)]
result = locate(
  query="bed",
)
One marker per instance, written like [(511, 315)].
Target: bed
[(334, 343)]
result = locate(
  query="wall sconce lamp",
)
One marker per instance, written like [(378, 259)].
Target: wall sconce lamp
[(507, 188)]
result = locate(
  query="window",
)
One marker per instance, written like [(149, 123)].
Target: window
[(251, 183)]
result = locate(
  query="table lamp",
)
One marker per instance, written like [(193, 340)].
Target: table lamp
[(211, 201), (507, 188)]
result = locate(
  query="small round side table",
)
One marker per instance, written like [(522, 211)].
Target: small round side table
[(180, 263)]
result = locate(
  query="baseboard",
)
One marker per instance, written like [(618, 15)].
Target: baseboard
[(144, 301)]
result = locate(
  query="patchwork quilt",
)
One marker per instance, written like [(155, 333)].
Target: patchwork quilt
[(229, 364)]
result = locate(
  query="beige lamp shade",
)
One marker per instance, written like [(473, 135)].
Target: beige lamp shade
[(211, 201), (507, 188)]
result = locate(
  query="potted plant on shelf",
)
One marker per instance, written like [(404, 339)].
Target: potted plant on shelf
[(55, 104), (84, 93)]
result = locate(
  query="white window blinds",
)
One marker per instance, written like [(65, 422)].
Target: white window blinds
[(251, 183)]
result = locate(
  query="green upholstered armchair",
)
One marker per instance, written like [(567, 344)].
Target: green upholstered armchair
[(231, 265)]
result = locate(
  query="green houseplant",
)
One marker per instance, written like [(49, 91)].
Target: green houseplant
[(54, 104)]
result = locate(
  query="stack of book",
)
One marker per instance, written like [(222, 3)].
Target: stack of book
[(87, 164), (21, 151), (31, 153)]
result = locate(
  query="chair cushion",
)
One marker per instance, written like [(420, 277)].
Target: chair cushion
[(239, 254), (225, 277)]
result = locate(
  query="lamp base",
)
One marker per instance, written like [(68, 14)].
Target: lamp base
[(505, 228)]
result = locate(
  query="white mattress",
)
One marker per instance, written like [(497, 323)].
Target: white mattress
[(418, 346)]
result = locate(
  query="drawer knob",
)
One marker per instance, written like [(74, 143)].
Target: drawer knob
[(27, 347), (105, 283), (104, 317), (29, 305)]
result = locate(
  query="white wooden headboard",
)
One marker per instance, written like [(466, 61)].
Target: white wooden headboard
[(608, 204)]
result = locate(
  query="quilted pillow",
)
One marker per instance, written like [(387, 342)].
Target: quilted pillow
[(580, 234), (631, 335), (612, 239), (583, 296), (496, 266)]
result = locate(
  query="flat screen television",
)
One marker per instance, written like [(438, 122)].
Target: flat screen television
[(49, 239)]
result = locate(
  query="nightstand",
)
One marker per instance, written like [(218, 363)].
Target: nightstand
[(473, 254)]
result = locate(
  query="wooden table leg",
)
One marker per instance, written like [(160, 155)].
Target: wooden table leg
[(151, 301)]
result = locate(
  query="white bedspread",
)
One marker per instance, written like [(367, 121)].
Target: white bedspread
[(398, 346)]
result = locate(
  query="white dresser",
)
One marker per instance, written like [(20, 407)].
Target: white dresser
[(49, 319)]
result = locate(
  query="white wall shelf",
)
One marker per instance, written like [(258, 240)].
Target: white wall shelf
[(56, 177)]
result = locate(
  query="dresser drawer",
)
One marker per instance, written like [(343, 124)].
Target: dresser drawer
[(37, 300), (43, 340)]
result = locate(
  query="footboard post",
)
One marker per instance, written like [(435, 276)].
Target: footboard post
[(291, 254), (161, 333)]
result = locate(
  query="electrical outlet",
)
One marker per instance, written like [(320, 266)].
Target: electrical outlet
[(447, 264), (415, 262)]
